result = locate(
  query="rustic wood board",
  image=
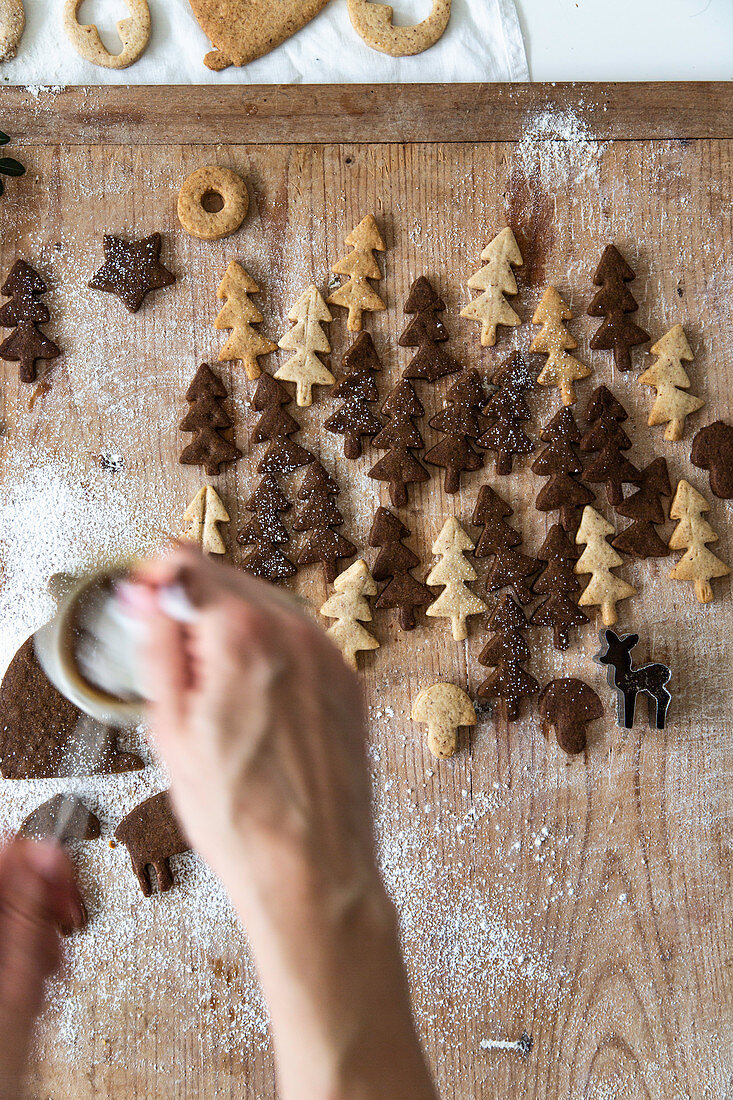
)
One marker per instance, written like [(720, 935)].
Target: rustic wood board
[(586, 902)]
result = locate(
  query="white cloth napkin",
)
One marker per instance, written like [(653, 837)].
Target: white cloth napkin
[(483, 42)]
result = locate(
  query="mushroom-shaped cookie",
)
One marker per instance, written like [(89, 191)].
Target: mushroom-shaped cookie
[(443, 707), (62, 818), (567, 706), (712, 449)]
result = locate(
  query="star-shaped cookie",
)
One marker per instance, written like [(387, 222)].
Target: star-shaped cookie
[(132, 269)]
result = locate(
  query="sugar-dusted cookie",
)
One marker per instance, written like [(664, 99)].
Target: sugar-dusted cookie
[(152, 836), (604, 588), (712, 449), (560, 585), (307, 339), (357, 390), (554, 341), (495, 279), (12, 25), (62, 818), (692, 533), (400, 438), (460, 423), (267, 533), (444, 708), (132, 269), (203, 516), (350, 608), (357, 294), (506, 411), (319, 516), (456, 602), (134, 32), (506, 652), (670, 380), (243, 30)]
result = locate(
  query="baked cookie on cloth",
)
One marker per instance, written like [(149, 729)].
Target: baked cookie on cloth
[(243, 30)]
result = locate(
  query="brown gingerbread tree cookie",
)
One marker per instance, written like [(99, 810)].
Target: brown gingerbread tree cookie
[(357, 390), (559, 583), (394, 564), (207, 419), (266, 531), (38, 726), (607, 440), (27, 345), (491, 513), (319, 517), (712, 449), (426, 332), (400, 438), (152, 836), (568, 706), (560, 463), (132, 269), (507, 652), (645, 508), (460, 423), (614, 302), (507, 410)]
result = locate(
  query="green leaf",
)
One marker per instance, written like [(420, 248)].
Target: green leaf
[(10, 167), (4, 139)]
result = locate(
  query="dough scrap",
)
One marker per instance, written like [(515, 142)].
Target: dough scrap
[(134, 32), (373, 22)]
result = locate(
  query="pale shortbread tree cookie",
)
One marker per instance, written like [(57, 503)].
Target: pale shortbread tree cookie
[(306, 339), (239, 314), (554, 341), (456, 601), (692, 533), (203, 515), (350, 608), (495, 280), (604, 589), (358, 295), (669, 378)]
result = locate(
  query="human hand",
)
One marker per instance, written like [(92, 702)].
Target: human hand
[(261, 724), (38, 895)]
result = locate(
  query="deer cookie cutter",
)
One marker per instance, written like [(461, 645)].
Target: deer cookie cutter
[(650, 680), (134, 32), (373, 22)]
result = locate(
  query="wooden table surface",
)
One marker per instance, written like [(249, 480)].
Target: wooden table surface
[(583, 901)]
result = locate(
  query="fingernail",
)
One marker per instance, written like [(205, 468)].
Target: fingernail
[(44, 856)]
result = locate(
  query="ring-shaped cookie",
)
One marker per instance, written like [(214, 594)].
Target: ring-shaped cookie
[(210, 225), (134, 32)]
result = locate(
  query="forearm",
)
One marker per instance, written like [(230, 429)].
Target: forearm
[(333, 977)]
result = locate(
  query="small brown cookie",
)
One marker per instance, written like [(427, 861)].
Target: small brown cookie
[(712, 449), (490, 513), (461, 423), (132, 269), (567, 706), (318, 517), (646, 509), (79, 823), (506, 411), (207, 419), (152, 835), (210, 225), (28, 344), (393, 564), (505, 652), (426, 332), (614, 301), (357, 389), (400, 437), (37, 724)]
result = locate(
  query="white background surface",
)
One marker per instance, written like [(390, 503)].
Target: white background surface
[(564, 40), (628, 39)]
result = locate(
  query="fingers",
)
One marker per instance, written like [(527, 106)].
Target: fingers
[(34, 899), (167, 669)]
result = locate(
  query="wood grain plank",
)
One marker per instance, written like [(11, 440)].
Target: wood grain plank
[(586, 901), (323, 113)]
